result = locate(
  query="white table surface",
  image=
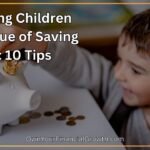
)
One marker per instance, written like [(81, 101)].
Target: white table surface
[(55, 94)]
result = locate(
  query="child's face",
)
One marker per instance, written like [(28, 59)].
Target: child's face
[(133, 73)]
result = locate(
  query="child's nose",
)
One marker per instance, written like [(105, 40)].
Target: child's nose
[(120, 73)]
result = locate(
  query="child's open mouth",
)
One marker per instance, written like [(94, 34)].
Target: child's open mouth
[(127, 94)]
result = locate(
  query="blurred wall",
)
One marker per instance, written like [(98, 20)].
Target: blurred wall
[(11, 9)]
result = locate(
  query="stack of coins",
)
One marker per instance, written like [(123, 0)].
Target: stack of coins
[(11, 66)]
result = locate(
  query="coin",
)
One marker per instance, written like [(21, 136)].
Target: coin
[(61, 118), (72, 118), (64, 108), (80, 117), (68, 113), (24, 120), (57, 112), (10, 71), (11, 66), (48, 113), (71, 123), (35, 115)]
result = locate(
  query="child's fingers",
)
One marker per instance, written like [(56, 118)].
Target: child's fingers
[(14, 46), (3, 46)]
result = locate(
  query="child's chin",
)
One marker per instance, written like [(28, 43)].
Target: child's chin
[(130, 102)]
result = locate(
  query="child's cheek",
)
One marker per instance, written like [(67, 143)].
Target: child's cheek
[(142, 94)]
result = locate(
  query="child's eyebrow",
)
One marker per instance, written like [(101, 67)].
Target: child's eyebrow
[(138, 67)]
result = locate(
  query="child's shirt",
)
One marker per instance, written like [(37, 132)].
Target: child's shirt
[(77, 67)]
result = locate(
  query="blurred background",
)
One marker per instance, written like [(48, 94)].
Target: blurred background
[(98, 26)]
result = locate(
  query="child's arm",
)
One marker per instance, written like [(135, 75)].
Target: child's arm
[(78, 67), (137, 131), (73, 65), (146, 111)]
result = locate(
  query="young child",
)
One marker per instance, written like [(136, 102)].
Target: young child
[(127, 104)]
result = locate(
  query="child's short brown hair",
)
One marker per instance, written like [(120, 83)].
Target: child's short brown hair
[(138, 29)]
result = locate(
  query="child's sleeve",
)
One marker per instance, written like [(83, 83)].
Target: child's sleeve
[(78, 67), (137, 132)]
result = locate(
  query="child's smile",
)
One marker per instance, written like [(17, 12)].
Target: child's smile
[(128, 93)]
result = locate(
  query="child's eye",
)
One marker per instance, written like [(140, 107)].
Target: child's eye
[(136, 71)]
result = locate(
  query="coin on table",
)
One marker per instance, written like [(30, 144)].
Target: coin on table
[(71, 123), (80, 117), (72, 118), (64, 108), (35, 115), (57, 112), (48, 113), (24, 120), (61, 118), (67, 113)]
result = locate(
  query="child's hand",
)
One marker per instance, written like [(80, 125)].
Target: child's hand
[(16, 45), (146, 111)]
